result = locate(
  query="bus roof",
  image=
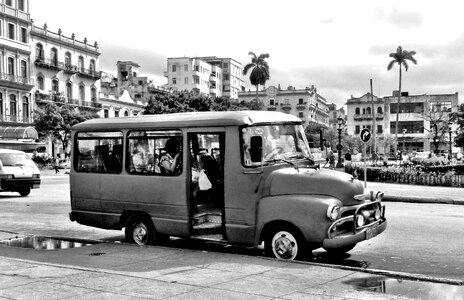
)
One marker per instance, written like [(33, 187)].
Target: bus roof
[(190, 119)]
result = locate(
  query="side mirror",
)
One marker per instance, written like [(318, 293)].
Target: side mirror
[(256, 148)]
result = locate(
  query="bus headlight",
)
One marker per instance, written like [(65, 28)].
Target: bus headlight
[(360, 220), (333, 212)]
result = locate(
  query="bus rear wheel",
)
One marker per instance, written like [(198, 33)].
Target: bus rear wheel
[(140, 230)]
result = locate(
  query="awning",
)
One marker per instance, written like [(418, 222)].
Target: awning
[(18, 133)]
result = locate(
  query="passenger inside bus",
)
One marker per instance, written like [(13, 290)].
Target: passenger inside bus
[(170, 162)]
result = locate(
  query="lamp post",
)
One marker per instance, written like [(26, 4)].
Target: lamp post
[(340, 122), (450, 141), (404, 131)]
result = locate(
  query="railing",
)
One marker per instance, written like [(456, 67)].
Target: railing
[(63, 38), (91, 104), (271, 107), (17, 79), (42, 61), (286, 106), (301, 105), (89, 72)]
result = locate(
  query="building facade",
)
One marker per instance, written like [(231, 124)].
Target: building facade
[(127, 93), (421, 119), (305, 103), (209, 75)]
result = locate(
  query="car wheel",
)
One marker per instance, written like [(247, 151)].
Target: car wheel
[(285, 243), (24, 191), (340, 251), (140, 230)]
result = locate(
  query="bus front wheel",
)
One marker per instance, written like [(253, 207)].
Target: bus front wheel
[(285, 243), (140, 230)]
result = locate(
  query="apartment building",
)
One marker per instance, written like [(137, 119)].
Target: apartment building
[(417, 116), (65, 69), (208, 75), (127, 93), (16, 82), (305, 103)]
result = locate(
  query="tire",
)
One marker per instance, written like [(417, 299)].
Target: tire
[(24, 191), (340, 251), (140, 230), (285, 243)]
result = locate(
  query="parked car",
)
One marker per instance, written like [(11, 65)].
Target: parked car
[(419, 156), (18, 172)]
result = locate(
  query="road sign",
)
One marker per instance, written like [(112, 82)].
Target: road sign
[(365, 135)]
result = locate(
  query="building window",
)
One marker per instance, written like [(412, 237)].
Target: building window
[(23, 69), (271, 102), (1, 104), (40, 83), (25, 107), (80, 64), (9, 2), (357, 129), (12, 105), (55, 85), (225, 65), (54, 56), (300, 114), (186, 68), (69, 90), (24, 35), (126, 113), (92, 66), (11, 31), (39, 53), (368, 111), (67, 59), (174, 68), (116, 113), (93, 94), (356, 111), (197, 68), (186, 80), (105, 113), (300, 101), (174, 81), (20, 5), (379, 129), (196, 80), (379, 110), (82, 92), (11, 66)]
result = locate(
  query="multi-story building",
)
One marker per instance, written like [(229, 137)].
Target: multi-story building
[(207, 75), (305, 103), (65, 69), (335, 114), (417, 118), (126, 94)]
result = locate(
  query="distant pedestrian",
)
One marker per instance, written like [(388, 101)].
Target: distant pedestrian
[(348, 166), (57, 163)]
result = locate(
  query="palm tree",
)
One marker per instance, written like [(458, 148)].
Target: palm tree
[(401, 58), (260, 73)]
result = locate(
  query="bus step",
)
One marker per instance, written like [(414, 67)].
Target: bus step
[(207, 229), (209, 237), (207, 218)]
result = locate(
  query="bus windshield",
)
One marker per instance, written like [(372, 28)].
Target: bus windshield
[(277, 141)]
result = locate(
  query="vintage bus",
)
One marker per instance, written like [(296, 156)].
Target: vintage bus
[(263, 185)]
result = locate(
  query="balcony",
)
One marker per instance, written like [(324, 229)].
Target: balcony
[(91, 104), (18, 82), (44, 97), (47, 63), (271, 107), (90, 73), (301, 106), (16, 119), (71, 69), (286, 106)]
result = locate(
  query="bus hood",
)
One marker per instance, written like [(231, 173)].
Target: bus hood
[(314, 182)]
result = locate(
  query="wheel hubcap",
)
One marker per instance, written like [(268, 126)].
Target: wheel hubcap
[(284, 245), (140, 234)]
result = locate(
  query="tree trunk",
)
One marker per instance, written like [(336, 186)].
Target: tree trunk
[(398, 113), (257, 100)]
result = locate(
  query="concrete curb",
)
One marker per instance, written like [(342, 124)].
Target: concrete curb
[(391, 198)]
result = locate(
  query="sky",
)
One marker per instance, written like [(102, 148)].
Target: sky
[(337, 46)]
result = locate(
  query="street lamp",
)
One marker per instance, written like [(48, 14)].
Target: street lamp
[(340, 122), (450, 141), (404, 131)]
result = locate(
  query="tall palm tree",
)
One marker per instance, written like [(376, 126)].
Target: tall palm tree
[(260, 73), (401, 58)]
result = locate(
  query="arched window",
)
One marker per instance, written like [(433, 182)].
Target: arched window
[(356, 111), (93, 94), (13, 107), (368, 111), (82, 92), (26, 108), (80, 64), (379, 110), (126, 113), (67, 59), (92, 66), (55, 85), (364, 111), (11, 66), (69, 90), (54, 56), (40, 82), (39, 53), (1, 105), (23, 69)]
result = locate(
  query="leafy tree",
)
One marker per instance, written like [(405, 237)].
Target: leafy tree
[(56, 122), (400, 57), (260, 70), (458, 117), (438, 126)]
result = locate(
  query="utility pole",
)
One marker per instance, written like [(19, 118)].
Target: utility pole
[(373, 120)]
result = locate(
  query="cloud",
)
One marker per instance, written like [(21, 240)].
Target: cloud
[(404, 19)]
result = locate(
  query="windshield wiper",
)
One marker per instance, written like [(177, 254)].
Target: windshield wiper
[(284, 160)]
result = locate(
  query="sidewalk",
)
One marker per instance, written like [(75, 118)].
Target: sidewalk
[(121, 271)]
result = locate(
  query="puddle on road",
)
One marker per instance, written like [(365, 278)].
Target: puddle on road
[(42, 243), (408, 288)]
